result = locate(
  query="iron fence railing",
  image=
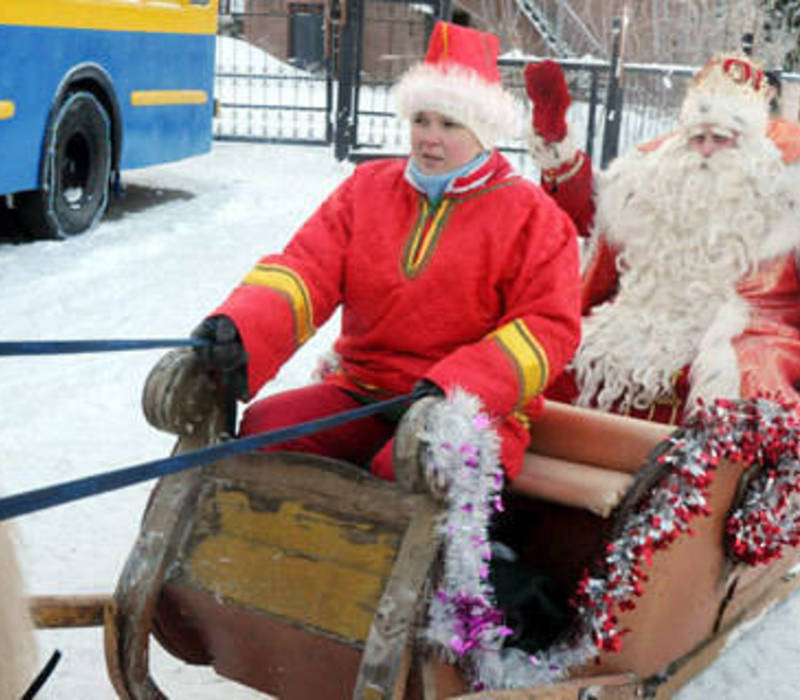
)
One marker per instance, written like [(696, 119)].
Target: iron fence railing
[(267, 90)]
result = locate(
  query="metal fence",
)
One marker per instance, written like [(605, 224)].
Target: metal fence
[(596, 95), (609, 118), (274, 73), (322, 74), (403, 32)]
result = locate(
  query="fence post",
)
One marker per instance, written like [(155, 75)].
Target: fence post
[(613, 116), (348, 36), (592, 112), (332, 16), (358, 63)]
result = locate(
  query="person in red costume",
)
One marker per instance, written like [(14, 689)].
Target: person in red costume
[(692, 288), (566, 170), (449, 268)]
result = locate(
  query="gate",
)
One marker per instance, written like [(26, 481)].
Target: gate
[(321, 72), (379, 41), (274, 73), (391, 36), (316, 72)]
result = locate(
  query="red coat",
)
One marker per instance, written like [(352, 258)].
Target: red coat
[(570, 185), (767, 352), (481, 292)]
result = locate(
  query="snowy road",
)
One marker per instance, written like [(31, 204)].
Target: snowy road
[(168, 252)]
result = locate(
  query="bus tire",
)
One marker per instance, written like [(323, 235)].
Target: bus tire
[(75, 179)]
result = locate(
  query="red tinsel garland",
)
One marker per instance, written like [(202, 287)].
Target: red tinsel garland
[(762, 433)]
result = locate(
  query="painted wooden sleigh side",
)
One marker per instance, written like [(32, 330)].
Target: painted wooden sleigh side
[(306, 578)]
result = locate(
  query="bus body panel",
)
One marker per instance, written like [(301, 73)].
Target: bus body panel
[(162, 82), (176, 16)]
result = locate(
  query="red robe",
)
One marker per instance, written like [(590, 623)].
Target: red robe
[(768, 351), (481, 291), (570, 184)]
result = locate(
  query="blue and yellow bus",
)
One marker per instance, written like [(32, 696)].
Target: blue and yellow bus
[(92, 87)]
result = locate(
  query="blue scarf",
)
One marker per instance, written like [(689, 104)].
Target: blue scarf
[(435, 185)]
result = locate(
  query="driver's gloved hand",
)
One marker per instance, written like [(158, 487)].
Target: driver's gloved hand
[(224, 352)]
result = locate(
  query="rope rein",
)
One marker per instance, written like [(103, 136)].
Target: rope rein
[(67, 491), (11, 348)]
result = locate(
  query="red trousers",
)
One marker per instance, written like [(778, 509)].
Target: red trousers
[(366, 442)]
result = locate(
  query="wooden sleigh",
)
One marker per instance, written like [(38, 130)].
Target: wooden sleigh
[(307, 578)]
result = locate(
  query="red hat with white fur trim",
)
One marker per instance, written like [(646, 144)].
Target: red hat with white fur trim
[(730, 91), (460, 79)]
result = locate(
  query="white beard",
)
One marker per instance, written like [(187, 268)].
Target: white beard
[(688, 229)]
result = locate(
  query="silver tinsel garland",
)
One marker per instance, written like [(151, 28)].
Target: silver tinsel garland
[(464, 622)]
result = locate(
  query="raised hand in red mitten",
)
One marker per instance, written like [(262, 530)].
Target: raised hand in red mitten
[(566, 171), (547, 88)]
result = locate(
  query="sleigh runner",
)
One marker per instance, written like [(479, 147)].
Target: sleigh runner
[(306, 577)]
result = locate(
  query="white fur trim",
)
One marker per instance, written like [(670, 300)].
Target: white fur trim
[(714, 374), (555, 153), (490, 112), (327, 363), (742, 114)]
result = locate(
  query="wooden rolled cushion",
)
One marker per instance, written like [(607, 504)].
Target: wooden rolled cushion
[(571, 483)]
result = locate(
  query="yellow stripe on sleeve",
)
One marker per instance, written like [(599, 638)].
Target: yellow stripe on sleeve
[(528, 356), (288, 283)]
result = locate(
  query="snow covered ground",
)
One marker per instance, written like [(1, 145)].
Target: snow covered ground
[(168, 252)]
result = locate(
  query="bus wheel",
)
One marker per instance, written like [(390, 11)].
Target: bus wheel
[(77, 163)]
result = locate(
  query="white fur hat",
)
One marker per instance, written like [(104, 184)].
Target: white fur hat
[(460, 79), (729, 91)]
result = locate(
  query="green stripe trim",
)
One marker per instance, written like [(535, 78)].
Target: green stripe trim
[(471, 195), (427, 231)]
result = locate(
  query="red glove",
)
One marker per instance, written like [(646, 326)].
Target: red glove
[(547, 88)]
